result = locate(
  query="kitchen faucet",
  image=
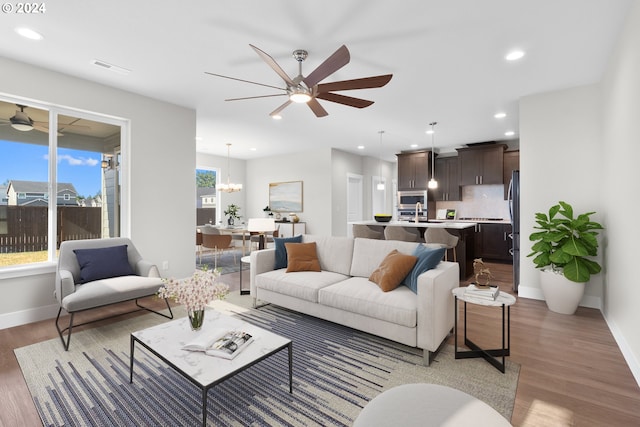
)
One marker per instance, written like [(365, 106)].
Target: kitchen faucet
[(418, 209)]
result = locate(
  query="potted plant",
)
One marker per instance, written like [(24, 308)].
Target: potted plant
[(232, 212), (563, 249)]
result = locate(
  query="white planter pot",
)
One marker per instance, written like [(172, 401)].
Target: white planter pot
[(561, 294)]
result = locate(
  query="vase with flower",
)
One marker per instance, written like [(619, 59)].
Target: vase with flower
[(195, 293)]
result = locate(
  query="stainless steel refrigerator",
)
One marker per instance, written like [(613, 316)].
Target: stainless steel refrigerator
[(514, 213)]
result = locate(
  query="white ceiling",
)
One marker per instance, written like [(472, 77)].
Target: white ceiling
[(446, 57)]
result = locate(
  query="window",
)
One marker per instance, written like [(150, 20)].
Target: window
[(38, 177), (206, 196)]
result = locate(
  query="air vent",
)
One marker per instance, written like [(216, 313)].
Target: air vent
[(110, 67)]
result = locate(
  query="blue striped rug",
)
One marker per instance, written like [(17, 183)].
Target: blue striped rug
[(337, 370)]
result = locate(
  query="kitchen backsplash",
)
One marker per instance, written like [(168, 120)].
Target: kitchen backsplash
[(480, 201)]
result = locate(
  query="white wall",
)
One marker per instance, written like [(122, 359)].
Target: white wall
[(621, 175), (560, 159), (312, 168), (162, 185)]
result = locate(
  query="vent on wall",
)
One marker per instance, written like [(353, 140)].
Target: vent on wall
[(111, 67)]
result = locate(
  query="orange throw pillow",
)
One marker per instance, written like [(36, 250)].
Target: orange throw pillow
[(392, 270), (302, 257)]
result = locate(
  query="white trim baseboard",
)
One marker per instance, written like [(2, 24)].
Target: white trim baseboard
[(17, 318), (623, 345)]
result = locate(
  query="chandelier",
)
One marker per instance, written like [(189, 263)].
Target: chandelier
[(228, 187)]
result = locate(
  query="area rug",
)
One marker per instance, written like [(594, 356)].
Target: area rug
[(227, 262), (337, 370)]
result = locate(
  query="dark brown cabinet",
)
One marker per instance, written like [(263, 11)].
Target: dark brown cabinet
[(492, 241), (483, 164), (447, 177), (413, 170), (511, 163)]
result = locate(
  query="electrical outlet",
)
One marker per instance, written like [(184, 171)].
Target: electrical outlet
[(165, 265)]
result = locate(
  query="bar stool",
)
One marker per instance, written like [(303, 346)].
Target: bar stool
[(444, 239)]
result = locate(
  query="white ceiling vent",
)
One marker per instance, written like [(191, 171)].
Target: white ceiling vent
[(111, 67)]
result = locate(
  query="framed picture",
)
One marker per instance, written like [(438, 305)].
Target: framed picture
[(285, 196)]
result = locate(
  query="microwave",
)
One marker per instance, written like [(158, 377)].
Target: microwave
[(408, 199)]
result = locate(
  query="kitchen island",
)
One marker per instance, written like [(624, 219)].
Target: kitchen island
[(464, 231)]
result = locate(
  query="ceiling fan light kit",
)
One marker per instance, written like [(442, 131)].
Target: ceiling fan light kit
[(21, 121), (308, 89)]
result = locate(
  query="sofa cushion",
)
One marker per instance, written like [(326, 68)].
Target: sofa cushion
[(303, 284), (281, 250), (302, 257), (369, 253), (392, 270), (103, 263), (334, 253), (361, 296), (428, 258), (109, 291)]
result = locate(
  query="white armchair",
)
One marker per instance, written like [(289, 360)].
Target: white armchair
[(97, 272)]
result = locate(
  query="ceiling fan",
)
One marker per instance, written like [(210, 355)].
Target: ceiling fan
[(308, 89), (22, 122)]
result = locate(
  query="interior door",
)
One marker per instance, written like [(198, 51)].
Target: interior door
[(354, 200)]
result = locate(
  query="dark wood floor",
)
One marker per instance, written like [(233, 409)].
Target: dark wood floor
[(572, 372)]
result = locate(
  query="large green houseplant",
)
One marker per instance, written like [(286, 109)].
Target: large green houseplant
[(564, 245)]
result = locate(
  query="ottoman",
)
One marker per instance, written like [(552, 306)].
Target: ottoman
[(427, 405)]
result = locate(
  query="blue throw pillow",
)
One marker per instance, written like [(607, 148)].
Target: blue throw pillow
[(428, 258), (102, 263), (281, 250)]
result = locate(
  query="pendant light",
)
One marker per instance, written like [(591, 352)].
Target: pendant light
[(228, 187), (433, 184), (380, 183)]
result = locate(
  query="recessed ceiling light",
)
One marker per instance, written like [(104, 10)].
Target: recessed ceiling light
[(514, 55), (430, 131), (360, 147), (198, 138), (276, 117), (414, 145), (252, 149), (29, 33), (500, 115), (509, 133)]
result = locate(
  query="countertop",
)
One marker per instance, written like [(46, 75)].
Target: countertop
[(439, 224)]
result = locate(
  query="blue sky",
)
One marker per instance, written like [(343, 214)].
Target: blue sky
[(29, 162)]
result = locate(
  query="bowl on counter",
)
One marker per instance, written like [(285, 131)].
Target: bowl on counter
[(382, 218)]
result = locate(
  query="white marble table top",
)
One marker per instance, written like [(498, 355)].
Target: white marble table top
[(503, 298), (168, 338)]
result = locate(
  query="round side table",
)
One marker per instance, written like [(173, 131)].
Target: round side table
[(503, 300)]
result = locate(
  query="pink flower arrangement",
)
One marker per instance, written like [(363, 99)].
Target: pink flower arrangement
[(196, 291)]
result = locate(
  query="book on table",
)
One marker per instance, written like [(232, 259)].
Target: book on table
[(222, 343), (490, 293)]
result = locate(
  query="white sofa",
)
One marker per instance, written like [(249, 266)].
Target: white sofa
[(342, 293)]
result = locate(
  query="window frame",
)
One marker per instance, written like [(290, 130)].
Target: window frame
[(54, 110)]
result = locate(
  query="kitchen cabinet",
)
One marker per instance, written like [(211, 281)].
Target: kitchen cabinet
[(482, 164), (290, 229), (413, 170), (447, 177), (492, 241), (511, 163)]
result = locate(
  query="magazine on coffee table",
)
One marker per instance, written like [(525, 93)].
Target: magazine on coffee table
[(222, 343)]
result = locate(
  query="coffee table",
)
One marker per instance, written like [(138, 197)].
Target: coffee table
[(166, 340)]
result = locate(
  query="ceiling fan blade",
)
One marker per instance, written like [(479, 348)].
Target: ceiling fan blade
[(244, 81), (254, 97), (337, 60), (273, 64), (280, 108), (317, 109), (44, 129), (346, 100), (363, 83)]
